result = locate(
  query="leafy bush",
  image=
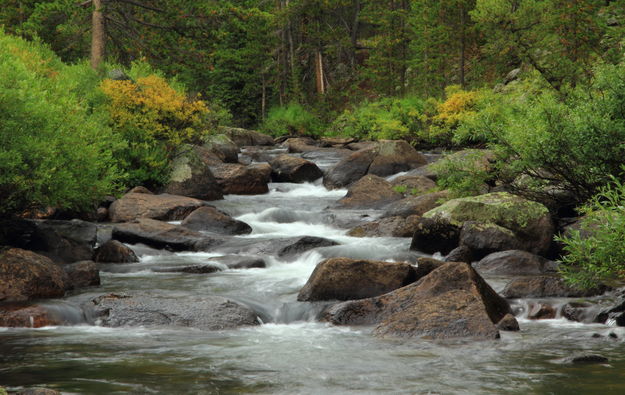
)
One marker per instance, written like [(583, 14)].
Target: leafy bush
[(54, 151), (465, 173), (595, 253), (154, 118), (390, 118), (291, 120)]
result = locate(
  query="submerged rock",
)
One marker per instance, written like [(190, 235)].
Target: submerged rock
[(114, 251), (347, 279), (304, 244), (212, 220), (162, 235), (203, 312), (287, 168), (240, 261), (586, 359), (453, 301), (133, 206), (25, 275), (26, 316), (193, 269)]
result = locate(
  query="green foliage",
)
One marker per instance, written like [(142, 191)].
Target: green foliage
[(595, 253), (54, 150), (382, 119), (466, 173), (292, 120)]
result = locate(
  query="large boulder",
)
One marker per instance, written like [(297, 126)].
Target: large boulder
[(387, 227), (25, 275), (162, 235), (452, 301), (210, 219), (224, 148), (114, 251), (545, 286), (348, 279), (245, 137), (514, 263), (239, 179), (431, 236), (301, 144), (202, 312), (164, 207), (191, 177), (507, 216), (385, 158), (287, 168), (415, 205), (370, 192), (81, 274), (63, 241)]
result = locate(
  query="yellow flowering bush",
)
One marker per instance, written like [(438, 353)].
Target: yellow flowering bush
[(154, 118)]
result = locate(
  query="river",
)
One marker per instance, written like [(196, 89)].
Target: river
[(290, 352)]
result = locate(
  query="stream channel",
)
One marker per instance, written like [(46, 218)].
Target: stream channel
[(290, 352)]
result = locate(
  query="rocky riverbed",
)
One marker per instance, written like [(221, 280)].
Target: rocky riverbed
[(320, 285)]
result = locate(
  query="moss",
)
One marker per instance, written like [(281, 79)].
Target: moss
[(501, 208)]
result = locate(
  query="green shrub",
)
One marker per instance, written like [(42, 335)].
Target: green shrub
[(390, 118), (291, 120), (595, 253), (465, 173), (54, 150)]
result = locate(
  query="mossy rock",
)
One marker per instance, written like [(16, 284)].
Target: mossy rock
[(500, 208)]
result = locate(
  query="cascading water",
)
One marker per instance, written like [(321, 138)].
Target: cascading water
[(291, 352)]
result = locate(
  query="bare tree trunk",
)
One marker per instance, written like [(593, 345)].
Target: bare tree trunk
[(462, 45), (98, 35), (354, 35), (320, 80)]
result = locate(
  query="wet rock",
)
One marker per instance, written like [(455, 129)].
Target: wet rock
[(577, 311), (386, 227), (25, 275), (385, 158), (139, 189), (114, 251), (515, 263), (433, 236), (614, 314), (348, 279), (544, 287), (240, 261), (82, 274), (212, 220), (508, 323), (203, 312), (496, 220), (415, 205), (287, 168), (427, 265), (301, 144), (244, 137), (190, 176), (461, 253), (26, 316), (304, 244), (370, 192), (162, 235), (361, 145), (541, 311), (239, 179), (453, 301), (38, 391), (224, 148), (64, 241), (193, 269), (586, 359), (133, 206), (414, 185)]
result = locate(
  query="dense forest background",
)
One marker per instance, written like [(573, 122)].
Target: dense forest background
[(252, 56)]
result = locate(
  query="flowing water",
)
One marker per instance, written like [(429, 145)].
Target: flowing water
[(291, 353)]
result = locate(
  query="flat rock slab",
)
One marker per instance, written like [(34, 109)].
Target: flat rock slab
[(133, 206), (205, 312)]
